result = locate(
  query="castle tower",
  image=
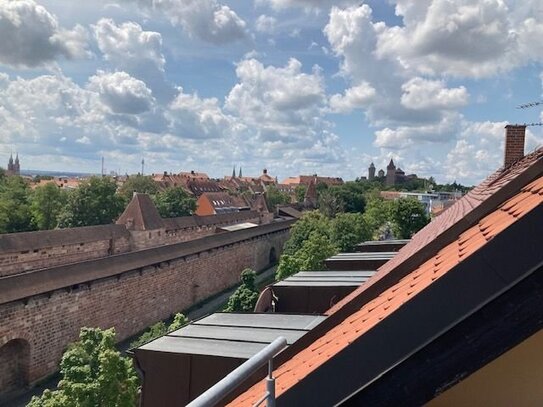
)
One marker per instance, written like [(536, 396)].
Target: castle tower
[(381, 173), (371, 172), (391, 173)]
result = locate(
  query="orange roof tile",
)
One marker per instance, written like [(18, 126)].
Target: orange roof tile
[(369, 315)]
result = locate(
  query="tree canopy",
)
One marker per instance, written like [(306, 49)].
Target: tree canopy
[(408, 217), (159, 329), (275, 197), (46, 203), (138, 183), (93, 374), (15, 213), (94, 202), (174, 202), (245, 297)]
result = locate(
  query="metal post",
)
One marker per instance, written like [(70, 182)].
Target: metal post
[(270, 385)]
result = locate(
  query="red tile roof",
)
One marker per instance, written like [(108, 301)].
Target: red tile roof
[(369, 315)]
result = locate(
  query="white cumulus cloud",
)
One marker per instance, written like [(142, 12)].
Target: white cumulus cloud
[(265, 24), (355, 97), (128, 42), (421, 94), (121, 92), (207, 20), (30, 36)]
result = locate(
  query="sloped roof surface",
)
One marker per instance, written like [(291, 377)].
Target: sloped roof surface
[(368, 316), (224, 200), (143, 213)]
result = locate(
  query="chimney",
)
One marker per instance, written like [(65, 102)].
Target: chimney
[(165, 173), (265, 171), (192, 172), (514, 143)]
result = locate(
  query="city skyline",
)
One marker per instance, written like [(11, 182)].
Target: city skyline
[(295, 86)]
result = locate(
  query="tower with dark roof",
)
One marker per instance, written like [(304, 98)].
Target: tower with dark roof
[(240, 172), (371, 172), (16, 165), (391, 173), (234, 172)]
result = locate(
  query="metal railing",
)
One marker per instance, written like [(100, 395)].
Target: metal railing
[(220, 390)]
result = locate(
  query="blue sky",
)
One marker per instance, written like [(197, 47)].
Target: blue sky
[(296, 86)]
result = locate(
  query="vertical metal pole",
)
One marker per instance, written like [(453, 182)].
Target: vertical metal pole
[(270, 385)]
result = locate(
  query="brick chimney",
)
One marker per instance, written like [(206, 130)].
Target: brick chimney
[(514, 143)]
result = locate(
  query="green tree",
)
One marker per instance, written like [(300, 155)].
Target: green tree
[(174, 202), (300, 191), (351, 195), (275, 197), (349, 229), (329, 204), (311, 255), (160, 329), (94, 374), (245, 297), (138, 183), (313, 221), (46, 203), (14, 205), (377, 212), (94, 202), (408, 216)]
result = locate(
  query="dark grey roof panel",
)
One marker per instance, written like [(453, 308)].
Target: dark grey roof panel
[(353, 283), (199, 346), (264, 320), (246, 334)]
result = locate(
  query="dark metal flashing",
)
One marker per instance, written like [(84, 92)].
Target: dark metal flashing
[(430, 314), (31, 283), (477, 341), (381, 246), (357, 261)]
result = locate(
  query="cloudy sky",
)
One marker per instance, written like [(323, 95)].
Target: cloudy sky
[(296, 86)]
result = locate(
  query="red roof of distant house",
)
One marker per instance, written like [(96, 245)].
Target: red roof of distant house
[(421, 278)]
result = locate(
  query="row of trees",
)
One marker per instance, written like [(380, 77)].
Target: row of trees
[(319, 235), (96, 201)]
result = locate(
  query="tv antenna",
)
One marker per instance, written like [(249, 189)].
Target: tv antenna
[(530, 104), (527, 106)]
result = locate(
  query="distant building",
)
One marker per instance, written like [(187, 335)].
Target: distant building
[(371, 172), (308, 179), (14, 167), (212, 203), (393, 176)]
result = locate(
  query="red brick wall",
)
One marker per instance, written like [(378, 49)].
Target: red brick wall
[(129, 302), (43, 257), (514, 144)]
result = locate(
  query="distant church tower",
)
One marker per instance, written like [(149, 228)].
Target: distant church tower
[(371, 172), (14, 168), (391, 173), (17, 166)]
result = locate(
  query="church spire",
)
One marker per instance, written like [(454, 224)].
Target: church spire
[(234, 172), (240, 171)]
